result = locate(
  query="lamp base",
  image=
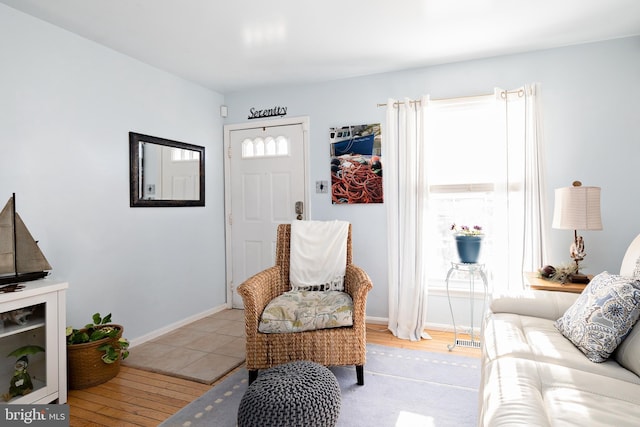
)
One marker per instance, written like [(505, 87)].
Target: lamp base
[(578, 278)]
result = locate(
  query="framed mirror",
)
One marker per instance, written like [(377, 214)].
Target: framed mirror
[(164, 172)]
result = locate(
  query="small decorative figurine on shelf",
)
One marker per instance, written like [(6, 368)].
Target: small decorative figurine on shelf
[(19, 316), (564, 273), (548, 271), (20, 383)]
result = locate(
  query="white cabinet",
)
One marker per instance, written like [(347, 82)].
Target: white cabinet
[(44, 327)]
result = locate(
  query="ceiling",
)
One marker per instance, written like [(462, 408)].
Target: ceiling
[(237, 45)]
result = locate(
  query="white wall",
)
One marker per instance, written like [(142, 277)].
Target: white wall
[(66, 107), (591, 103)]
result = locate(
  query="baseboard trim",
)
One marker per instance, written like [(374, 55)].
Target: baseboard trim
[(377, 320), (449, 328), (173, 326), (444, 327)]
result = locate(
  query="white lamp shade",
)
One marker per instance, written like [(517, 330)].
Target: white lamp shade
[(577, 208)]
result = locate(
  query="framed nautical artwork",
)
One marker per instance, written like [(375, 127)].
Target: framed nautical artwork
[(356, 164)]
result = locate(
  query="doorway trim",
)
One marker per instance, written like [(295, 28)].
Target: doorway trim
[(304, 121)]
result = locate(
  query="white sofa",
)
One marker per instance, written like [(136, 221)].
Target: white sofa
[(533, 376)]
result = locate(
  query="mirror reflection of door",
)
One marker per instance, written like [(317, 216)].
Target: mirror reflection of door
[(180, 174), (169, 173)]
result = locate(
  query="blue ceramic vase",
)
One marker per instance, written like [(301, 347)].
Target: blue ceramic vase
[(468, 248)]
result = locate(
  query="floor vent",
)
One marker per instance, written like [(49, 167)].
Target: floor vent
[(468, 343)]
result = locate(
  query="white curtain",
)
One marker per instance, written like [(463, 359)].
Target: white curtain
[(535, 238), (526, 195), (522, 231), (405, 190)]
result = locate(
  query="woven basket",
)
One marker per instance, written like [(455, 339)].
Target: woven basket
[(85, 367)]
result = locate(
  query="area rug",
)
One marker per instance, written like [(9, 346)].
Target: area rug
[(202, 351), (402, 388)]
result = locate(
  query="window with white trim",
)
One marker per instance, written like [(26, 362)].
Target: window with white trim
[(469, 179)]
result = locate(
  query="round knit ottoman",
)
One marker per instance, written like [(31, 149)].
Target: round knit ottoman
[(303, 394)]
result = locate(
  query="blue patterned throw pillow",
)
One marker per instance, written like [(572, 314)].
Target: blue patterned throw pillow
[(602, 316)]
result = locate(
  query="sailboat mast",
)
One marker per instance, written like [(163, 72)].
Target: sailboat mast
[(15, 234)]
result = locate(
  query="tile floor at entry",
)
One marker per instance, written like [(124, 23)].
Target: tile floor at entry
[(202, 351)]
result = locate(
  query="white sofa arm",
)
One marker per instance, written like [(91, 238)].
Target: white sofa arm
[(544, 304)]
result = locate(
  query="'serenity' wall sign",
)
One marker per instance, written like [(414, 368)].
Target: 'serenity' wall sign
[(269, 112)]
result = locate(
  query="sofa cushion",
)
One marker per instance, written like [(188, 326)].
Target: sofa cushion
[(545, 304), (523, 392), (602, 316), (628, 353), (533, 338), (297, 311)]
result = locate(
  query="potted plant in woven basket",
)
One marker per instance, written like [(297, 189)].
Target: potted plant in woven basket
[(94, 352)]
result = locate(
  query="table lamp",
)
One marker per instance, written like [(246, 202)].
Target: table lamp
[(577, 208)]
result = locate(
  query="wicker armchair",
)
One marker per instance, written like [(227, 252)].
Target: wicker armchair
[(329, 347)]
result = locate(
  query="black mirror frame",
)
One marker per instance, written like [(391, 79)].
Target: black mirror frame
[(134, 172)]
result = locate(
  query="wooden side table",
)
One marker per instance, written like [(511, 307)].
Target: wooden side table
[(539, 283)]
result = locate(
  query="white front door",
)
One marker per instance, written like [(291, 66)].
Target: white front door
[(266, 177)]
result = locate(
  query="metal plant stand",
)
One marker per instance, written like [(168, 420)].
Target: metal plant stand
[(471, 270)]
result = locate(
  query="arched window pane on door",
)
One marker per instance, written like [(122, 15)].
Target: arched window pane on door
[(258, 147), (270, 144), (269, 147), (282, 146), (182, 155), (247, 148)]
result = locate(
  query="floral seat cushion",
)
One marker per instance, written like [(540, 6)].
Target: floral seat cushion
[(298, 311)]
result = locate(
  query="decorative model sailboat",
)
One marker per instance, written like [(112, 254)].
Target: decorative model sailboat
[(21, 259)]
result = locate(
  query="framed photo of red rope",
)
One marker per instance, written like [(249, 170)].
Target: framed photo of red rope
[(356, 164)]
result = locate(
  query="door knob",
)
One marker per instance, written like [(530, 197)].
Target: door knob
[(299, 209)]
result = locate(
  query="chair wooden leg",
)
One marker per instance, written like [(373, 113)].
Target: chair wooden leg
[(253, 374), (360, 374)]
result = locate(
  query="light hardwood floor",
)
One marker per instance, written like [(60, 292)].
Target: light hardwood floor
[(140, 398)]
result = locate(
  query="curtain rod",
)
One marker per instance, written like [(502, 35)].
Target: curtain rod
[(503, 93)]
